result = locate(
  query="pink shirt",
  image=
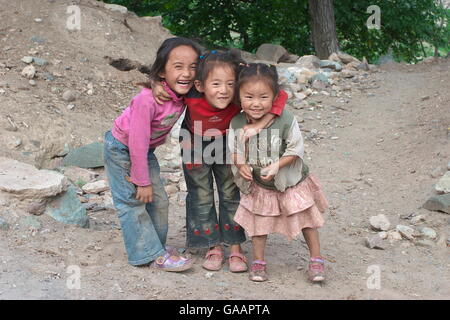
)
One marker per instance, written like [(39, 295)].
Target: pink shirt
[(144, 124)]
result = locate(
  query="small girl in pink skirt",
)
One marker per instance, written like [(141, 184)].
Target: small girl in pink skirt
[(278, 194)]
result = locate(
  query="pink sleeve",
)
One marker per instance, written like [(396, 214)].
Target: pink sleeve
[(142, 112)]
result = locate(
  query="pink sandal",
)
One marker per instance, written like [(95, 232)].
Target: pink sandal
[(238, 266), (213, 265)]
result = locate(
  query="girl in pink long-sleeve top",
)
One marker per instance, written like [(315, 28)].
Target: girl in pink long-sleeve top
[(131, 166)]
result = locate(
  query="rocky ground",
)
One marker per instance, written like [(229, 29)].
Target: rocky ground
[(377, 139)]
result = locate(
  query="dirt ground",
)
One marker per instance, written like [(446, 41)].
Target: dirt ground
[(374, 154)]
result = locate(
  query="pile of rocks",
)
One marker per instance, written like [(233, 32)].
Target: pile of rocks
[(415, 232), (302, 77)]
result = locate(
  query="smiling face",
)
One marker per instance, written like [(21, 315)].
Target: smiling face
[(256, 98), (179, 71), (218, 86)]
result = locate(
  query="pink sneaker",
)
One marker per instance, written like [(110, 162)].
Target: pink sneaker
[(316, 269), (258, 271), (172, 263)]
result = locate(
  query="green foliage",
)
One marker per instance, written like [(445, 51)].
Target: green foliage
[(405, 24)]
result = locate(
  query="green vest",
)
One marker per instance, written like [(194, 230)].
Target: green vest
[(268, 146)]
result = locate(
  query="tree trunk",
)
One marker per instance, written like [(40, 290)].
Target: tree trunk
[(323, 27)]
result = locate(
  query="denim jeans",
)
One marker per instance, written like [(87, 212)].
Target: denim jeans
[(203, 228), (144, 226)]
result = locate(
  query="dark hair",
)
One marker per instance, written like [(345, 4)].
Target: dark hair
[(162, 55), (259, 71), (214, 58)]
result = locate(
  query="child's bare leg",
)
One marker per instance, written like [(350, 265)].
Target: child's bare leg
[(312, 240), (259, 246)]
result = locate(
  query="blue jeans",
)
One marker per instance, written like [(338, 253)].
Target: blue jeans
[(204, 227), (144, 226)]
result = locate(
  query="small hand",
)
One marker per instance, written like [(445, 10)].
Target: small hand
[(159, 93), (248, 131), (246, 172), (143, 194), (269, 172)]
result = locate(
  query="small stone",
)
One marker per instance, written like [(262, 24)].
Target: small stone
[(27, 59), (405, 231), (425, 243), (96, 187), (394, 235), (36, 208), (418, 219), (383, 235), (379, 222), (300, 95), (437, 172), (39, 61), (171, 189), (38, 20), (2, 91), (209, 275), (116, 7), (448, 164), (334, 138), (70, 107), (425, 98), (428, 232), (182, 185), (32, 82), (29, 72), (376, 242), (69, 96), (4, 225), (443, 185), (438, 203)]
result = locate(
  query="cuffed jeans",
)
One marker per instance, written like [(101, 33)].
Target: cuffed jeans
[(144, 226), (204, 229)]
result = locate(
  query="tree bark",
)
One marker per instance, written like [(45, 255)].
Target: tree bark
[(323, 27)]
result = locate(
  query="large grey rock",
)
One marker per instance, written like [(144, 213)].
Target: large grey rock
[(68, 209), (309, 62), (438, 203), (443, 185), (270, 52), (26, 182), (88, 156)]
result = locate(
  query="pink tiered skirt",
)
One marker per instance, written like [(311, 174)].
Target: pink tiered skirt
[(263, 211)]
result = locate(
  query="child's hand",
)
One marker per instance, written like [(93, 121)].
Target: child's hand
[(159, 93), (246, 172), (269, 172), (250, 130), (144, 194)]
